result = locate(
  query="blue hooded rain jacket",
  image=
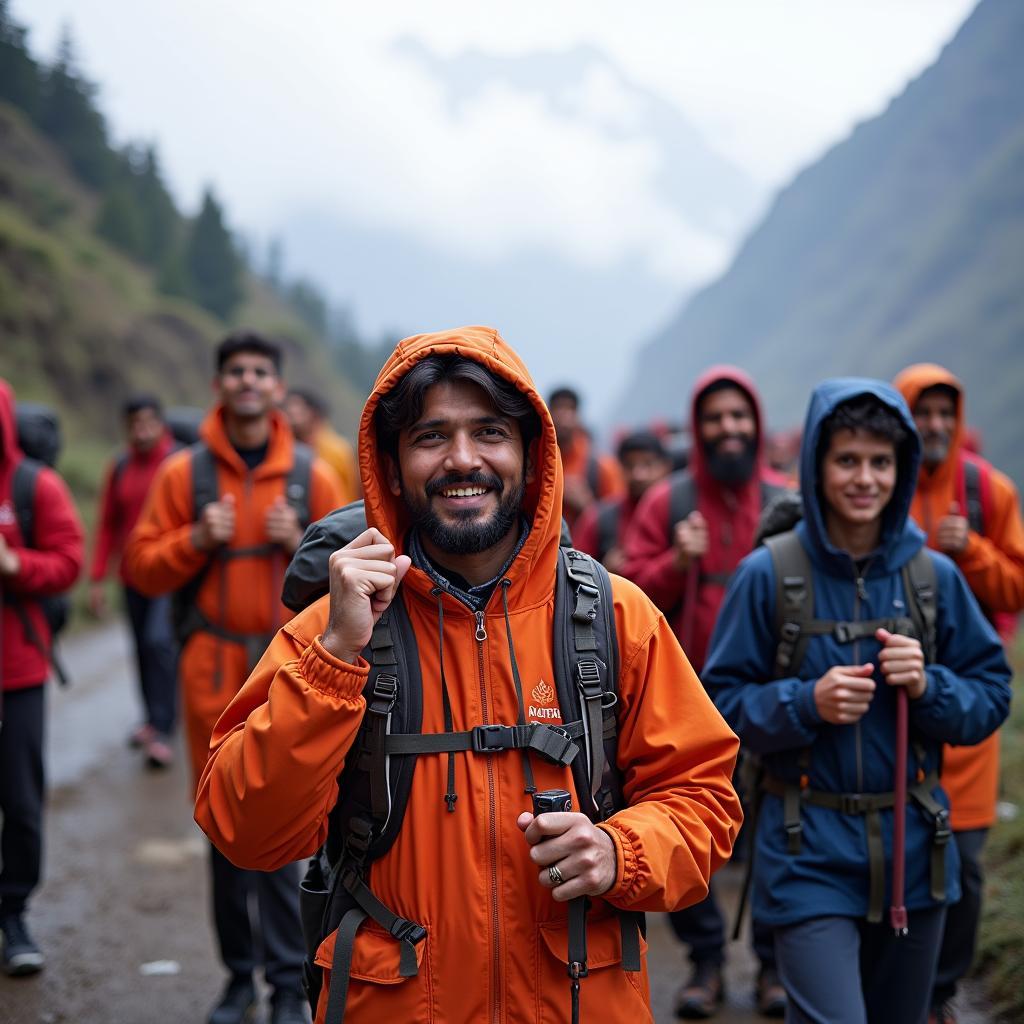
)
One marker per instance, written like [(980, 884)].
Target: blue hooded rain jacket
[(967, 696)]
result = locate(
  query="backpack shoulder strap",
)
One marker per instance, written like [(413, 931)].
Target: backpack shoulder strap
[(921, 586), (23, 493), (204, 476), (609, 514), (298, 483), (794, 600), (975, 510), (586, 660), (682, 497), (594, 475)]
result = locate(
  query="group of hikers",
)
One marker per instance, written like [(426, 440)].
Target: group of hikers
[(453, 740)]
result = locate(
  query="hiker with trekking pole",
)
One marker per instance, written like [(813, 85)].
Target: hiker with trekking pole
[(845, 654), (685, 539), (494, 751)]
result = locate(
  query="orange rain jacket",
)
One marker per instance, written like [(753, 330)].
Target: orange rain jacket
[(496, 944), (993, 566), (161, 557), (580, 459)]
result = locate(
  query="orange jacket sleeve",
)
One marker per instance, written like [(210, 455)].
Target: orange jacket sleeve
[(678, 755), (295, 718), (994, 564), (160, 555)]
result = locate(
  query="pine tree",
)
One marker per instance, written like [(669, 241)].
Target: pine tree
[(212, 262), (19, 73), (120, 220)]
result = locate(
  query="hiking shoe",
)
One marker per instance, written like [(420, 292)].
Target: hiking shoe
[(237, 1005), (21, 955), (702, 995), (288, 1007), (771, 996), (140, 736), (159, 754)]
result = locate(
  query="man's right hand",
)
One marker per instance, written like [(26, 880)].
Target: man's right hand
[(216, 524), (365, 576), (690, 539), (843, 694)]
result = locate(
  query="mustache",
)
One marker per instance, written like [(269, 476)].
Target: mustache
[(441, 483)]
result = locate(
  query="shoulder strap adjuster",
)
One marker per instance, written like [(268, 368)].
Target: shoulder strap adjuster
[(842, 632), (588, 674), (385, 693)]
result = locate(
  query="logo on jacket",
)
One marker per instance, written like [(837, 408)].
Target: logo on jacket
[(544, 695), (7, 516)]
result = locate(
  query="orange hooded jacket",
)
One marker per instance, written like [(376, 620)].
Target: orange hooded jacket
[(993, 566), (496, 944), (243, 594)]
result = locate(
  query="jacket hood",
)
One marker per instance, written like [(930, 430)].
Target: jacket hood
[(918, 378), (901, 538), (698, 465), (280, 445), (532, 572)]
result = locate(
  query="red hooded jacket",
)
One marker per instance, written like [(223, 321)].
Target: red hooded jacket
[(731, 512), (48, 568)]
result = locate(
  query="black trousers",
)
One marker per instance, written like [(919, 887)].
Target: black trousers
[(156, 654), (21, 796), (702, 928), (962, 918), (277, 944)]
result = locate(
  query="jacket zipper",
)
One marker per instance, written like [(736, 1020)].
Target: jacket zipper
[(480, 635)]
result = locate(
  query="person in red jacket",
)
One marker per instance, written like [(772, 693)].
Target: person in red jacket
[(31, 568), (601, 530), (686, 538), (125, 487)]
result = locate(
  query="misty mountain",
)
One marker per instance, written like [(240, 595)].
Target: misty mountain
[(904, 243), (571, 322)]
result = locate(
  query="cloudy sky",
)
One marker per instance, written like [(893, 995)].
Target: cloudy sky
[(569, 171)]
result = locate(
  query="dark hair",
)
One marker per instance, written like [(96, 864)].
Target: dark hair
[(249, 341), (142, 400), (642, 441), (941, 389), (865, 413), (402, 406), (564, 394), (313, 399)]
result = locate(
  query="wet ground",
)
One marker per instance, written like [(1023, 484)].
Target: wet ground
[(122, 915)]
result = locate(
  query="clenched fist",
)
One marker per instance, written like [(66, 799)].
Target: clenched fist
[(282, 525), (216, 524), (843, 694), (690, 538), (902, 662), (364, 577)]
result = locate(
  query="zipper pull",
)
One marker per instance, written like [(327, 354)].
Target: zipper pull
[(481, 631), (862, 590)]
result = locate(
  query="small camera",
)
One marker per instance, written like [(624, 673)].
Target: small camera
[(548, 800)]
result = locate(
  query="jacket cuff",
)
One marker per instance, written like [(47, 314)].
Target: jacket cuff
[(806, 709), (329, 675), (629, 879)]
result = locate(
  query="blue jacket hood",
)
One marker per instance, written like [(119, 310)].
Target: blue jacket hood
[(901, 538)]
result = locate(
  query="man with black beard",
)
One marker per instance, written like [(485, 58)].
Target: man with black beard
[(686, 538)]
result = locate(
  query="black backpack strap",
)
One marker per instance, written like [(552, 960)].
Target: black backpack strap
[(682, 498), (794, 600), (298, 483), (975, 511), (609, 513), (593, 474), (23, 493), (921, 586)]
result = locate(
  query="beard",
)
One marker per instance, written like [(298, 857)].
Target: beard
[(468, 534), (935, 448), (730, 468)]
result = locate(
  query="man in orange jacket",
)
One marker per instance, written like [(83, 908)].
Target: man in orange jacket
[(970, 511), (219, 527), (463, 488)]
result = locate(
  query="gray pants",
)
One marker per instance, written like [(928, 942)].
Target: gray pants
[(842, 970)]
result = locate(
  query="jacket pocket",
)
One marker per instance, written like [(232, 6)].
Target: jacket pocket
[(376, 989), (607, 993)]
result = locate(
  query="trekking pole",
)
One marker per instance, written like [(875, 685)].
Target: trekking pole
[(690, 606), (897, 910)]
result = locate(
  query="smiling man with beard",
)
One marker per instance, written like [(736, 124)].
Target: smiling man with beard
[(463, 507), (688, 535)]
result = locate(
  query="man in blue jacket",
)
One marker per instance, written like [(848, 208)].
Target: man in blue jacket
[(805, 662)]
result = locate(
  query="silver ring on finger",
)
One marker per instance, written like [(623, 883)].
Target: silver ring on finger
[(556, 876)]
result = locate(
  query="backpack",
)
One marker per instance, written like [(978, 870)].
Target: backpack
[(375, 784), (185, 614), (39, 438), (609, 513)]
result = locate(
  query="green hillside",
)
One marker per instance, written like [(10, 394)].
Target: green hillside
[(905, 243)]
